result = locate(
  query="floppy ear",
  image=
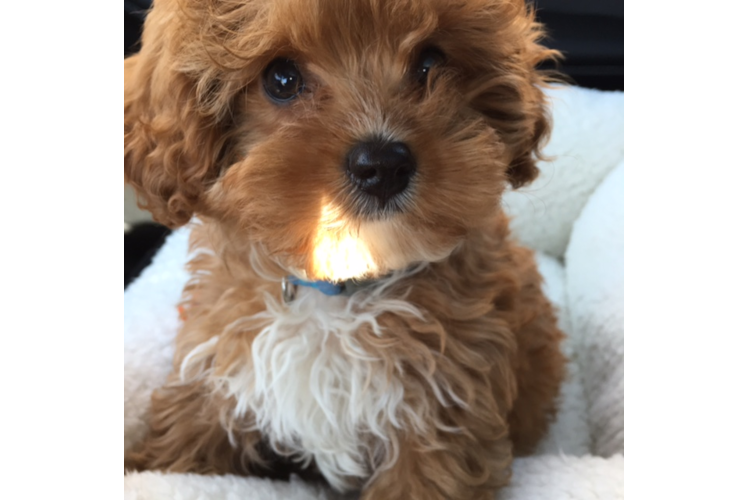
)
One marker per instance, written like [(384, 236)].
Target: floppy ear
[(512, 99), (536, 128), (172, 144)]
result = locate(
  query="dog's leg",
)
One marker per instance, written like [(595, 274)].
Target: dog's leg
[(540, 364), (456, 466), (538, 379), (186, 435)]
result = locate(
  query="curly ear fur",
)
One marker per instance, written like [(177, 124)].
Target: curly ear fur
[(175, 130), (523, 169), (511, 96)]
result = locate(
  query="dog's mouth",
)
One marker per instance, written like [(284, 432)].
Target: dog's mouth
[(372, 208), (345, 247)]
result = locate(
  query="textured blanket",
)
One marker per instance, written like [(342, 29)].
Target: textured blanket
[(572, 216)]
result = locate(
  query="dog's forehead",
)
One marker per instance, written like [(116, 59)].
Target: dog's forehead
[(340, 28), (344, 34), (343, 28)]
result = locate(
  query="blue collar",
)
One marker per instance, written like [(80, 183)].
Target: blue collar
[(348, 287), (326, 287)]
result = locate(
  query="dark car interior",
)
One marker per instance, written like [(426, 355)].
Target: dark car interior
[(589, 33)]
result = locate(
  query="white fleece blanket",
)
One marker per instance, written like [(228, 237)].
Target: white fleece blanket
[(573, 216)]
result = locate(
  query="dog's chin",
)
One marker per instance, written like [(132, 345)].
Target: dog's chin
[(372, 248)]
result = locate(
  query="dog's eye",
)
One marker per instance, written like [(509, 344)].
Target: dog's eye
[(428, 58), (283, 80)]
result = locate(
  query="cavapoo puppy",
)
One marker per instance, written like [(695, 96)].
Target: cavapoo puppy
[(357, 307)]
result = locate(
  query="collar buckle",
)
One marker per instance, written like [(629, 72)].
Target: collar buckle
[(288, 290)]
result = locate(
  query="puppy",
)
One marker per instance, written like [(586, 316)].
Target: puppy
[(357, 306)]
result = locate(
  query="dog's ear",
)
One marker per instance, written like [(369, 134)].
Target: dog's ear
[(511, 96), (172, 143), (535, 127)]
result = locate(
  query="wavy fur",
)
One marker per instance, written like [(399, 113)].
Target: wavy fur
[(424, 386)]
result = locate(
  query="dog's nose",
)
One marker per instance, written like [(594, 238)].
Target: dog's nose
[(381, 168)]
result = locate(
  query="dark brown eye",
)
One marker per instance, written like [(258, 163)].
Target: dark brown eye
[(428, 58), (282, 80)]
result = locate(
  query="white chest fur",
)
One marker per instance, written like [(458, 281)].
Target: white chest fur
[(314, 389)]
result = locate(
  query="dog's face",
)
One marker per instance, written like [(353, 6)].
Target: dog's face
[(345, 138)]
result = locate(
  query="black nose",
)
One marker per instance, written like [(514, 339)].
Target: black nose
[(380, 168)]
